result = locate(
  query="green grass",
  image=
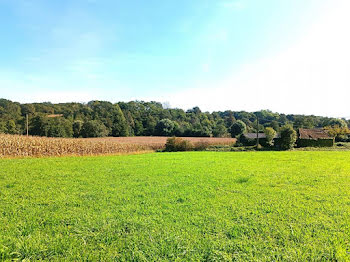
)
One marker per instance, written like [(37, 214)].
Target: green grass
[(195, 206)]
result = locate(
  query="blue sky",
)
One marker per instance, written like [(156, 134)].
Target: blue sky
[(217, 54)]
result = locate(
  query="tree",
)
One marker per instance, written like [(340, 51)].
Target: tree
[(141, 118), (120, 125), (270, 134), (51, 127), (11, 127), (27, 109), (288, 137), (3, 128), (94, 128), (220, 130), (77, 128), (337, 123), (339, 133), (165, 127), (59, 127), (238, 128)]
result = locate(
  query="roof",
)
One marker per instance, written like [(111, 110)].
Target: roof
[(314, 134), (253, 135), (261, 135)]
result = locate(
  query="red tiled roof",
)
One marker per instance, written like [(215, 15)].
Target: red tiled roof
[(314, 134)]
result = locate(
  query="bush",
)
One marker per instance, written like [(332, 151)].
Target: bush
[(288, 138), (175, 144), (243, 141), (259, 147), (201, 145), (270, 136)]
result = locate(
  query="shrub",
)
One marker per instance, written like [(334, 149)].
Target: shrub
[(259, 147), (201, 145), (175, 144), (243, 141), (270, 135), (288, 138)]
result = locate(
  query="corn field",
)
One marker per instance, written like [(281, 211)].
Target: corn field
[(23, 146)]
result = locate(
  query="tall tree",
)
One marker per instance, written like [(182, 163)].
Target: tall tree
[(238, 128)]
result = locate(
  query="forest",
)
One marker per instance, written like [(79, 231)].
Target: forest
[(139, 118)]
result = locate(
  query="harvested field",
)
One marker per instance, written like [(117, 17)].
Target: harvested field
[(22, 146)]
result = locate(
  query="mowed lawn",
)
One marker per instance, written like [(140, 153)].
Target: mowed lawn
[(195, 206)]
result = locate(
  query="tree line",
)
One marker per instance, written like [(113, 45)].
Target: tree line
[(139, 118)]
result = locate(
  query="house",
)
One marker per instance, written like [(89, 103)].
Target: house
[(317, 137)]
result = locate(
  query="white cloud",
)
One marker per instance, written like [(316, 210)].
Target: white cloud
[(310, 77)]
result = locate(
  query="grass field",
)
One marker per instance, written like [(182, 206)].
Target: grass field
[(194, 206)]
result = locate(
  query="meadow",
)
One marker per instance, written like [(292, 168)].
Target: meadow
[(192, 206)]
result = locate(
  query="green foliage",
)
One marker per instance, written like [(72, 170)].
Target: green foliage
[(3, 128), (51, 127), (11, 127), (165, 127), (194, 206), (139, 118), (175, 144), (238, 128), (94, 128), (120, 125), (220, 129), (270, 135), (288, 138), (243, 141), (28, 109), (275, 125), (59, 127), (337, 123), (341, 134), (77, 128)]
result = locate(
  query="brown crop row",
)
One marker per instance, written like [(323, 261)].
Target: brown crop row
[(22, 146)]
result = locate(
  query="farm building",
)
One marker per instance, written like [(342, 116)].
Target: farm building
[(253, 135), (317, 137), (250, 139)]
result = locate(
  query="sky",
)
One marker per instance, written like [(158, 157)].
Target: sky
[(290, 56)]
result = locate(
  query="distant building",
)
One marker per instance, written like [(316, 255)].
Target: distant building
[(250, 139), (253, 135), (316, 137)]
